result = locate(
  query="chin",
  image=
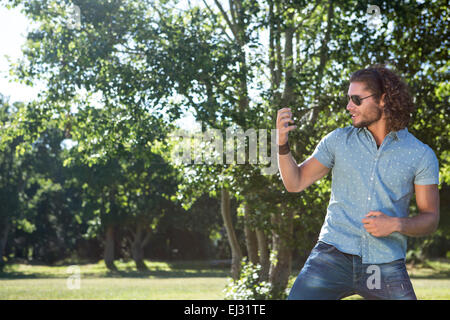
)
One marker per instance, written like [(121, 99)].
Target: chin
[(359, 124), (363, 124)]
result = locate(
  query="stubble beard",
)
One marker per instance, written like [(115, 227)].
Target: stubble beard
[(374, 114)]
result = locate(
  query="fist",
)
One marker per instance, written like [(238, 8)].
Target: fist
[(284, 118), (379, 224)]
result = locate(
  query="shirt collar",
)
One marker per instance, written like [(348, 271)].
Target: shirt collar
[(397, 135), (394, 135), (401, 134)]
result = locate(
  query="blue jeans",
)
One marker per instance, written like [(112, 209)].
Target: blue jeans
[(330, 274)]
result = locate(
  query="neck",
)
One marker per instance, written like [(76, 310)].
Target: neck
[(379, 131)]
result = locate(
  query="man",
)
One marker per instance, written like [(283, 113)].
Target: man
[(376, 167)]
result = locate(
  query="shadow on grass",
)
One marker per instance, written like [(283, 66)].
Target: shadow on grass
[(166, 274), (437, 276), (434, 274), (16, 275), (174, 270)]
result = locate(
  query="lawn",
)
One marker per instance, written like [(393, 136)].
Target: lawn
[(165, 281)]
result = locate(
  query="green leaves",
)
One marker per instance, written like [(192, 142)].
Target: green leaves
[(115, 86)]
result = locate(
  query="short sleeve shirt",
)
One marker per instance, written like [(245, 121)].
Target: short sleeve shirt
[(366, 178)]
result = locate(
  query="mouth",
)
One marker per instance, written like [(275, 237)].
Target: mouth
[(354, 116)]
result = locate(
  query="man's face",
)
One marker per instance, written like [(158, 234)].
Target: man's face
[(368, 112)]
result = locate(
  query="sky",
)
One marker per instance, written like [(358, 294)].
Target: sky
[(13, 26)]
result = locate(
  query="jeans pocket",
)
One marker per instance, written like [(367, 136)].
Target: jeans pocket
[(398, 283), (401, 290)]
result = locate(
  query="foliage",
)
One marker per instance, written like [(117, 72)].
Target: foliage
[(116, 84), (249, 285)]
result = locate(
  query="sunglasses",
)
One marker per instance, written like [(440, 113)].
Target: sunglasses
[(357, 99)]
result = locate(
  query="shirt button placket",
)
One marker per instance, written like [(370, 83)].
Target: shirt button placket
[(366, 237)]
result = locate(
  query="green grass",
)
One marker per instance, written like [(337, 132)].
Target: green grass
[(167, 281), (163, 281)]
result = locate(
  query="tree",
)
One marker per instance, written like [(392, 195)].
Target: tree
[(11, 182), (41, 207), (106, 56), (235, 66)]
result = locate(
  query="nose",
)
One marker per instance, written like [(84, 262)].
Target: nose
[(350, 105)]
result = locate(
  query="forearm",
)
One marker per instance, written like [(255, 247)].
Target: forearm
[(290, 173), (423, 224)]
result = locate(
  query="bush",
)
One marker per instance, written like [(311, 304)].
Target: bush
[(249, 286)]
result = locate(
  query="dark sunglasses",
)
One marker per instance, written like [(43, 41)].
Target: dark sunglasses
[(357, 99)]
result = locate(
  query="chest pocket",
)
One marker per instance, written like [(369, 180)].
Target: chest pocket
[(352, 165), (397, 177)]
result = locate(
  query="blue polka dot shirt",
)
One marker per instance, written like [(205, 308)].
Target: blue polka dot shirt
[(367, 178)]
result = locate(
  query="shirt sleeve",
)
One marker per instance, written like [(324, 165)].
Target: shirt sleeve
[(325, 150), (428, 169)]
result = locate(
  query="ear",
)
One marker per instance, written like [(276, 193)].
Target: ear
[(382, 100)]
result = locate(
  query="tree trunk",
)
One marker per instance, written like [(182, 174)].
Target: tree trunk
[(288, 97), (236, 22), (140, 241), (109, 248), (250, 237), (282, 223), (280, 269), (264, 259), (4, 228), (323, 55), (236, 253)]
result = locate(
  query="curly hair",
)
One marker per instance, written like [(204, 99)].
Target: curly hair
[(398, 103)]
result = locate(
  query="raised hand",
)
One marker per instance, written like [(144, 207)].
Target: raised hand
[(284, 118)]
